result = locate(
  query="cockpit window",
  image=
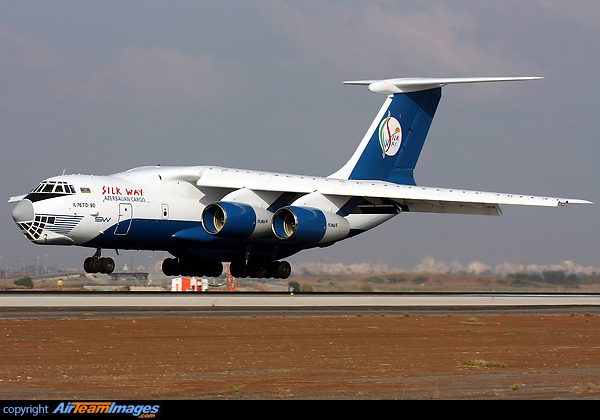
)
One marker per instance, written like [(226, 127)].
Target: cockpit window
[(49, 189)]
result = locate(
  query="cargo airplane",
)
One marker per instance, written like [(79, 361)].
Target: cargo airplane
[(206, 215)]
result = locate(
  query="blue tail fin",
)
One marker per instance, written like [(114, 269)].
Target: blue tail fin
[(390, 149)]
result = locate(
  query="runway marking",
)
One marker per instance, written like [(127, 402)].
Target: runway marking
[(183, 300)]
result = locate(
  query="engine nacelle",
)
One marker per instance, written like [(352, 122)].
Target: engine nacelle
[(236, 220), (309, 225)]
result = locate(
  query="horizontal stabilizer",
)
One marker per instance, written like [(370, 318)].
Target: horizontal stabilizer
[(405, 85)]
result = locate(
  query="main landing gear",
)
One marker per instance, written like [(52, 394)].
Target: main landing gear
[(187, 267), (258, 269), (96, 264), (261, 269)]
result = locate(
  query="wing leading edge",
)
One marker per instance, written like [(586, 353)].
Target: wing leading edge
[(410, 197)]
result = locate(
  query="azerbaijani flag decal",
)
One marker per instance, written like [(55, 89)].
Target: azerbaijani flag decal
[(85, 190)]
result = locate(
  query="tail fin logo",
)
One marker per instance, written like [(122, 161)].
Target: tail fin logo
[(390, 136)]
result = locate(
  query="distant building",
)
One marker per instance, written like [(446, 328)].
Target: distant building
[(137, 276)]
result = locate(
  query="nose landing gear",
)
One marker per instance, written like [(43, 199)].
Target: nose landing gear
[(96, 264)]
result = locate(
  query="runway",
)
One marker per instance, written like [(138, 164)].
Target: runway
[(165, 345), (144, 304)]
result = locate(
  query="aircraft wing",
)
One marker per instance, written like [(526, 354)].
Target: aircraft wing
[(410, 197)]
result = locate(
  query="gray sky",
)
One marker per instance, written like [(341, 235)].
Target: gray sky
[(101, 87)]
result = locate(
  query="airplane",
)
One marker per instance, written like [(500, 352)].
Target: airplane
[(206, 215)]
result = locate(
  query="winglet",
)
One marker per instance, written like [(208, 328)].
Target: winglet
[(405, 85)]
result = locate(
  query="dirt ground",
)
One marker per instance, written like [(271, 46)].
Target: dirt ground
[(337, 357)]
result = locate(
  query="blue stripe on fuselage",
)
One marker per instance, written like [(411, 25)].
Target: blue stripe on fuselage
[(183, 238)]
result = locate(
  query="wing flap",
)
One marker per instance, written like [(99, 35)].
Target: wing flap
[(449, 207)]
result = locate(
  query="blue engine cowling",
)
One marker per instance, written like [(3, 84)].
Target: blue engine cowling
[(236, 220), (309, 225)]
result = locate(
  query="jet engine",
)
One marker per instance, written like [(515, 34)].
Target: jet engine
[(309, 225), (236, 220)]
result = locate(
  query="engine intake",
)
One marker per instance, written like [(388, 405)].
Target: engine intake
[(236, 220), (309, 225)]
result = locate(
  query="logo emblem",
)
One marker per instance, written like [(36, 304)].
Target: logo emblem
[(390, 136)]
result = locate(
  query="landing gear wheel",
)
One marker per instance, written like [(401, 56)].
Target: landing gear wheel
[(91, 265), (95, 265), (280, 270), (258, 270), (88, 265), (187, 268), (107, 265), (283, 271), (170, 267), (238, 269)]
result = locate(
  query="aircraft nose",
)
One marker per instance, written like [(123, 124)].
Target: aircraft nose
[(23, 212)]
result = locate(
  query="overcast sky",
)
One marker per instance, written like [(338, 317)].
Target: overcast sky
[(101, 87)]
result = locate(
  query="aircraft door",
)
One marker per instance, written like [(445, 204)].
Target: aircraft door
[(125, 215)]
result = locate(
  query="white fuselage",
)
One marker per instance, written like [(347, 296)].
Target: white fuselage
[(144, 208)]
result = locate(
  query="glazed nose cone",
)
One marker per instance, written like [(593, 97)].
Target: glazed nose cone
[(23, 212)]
